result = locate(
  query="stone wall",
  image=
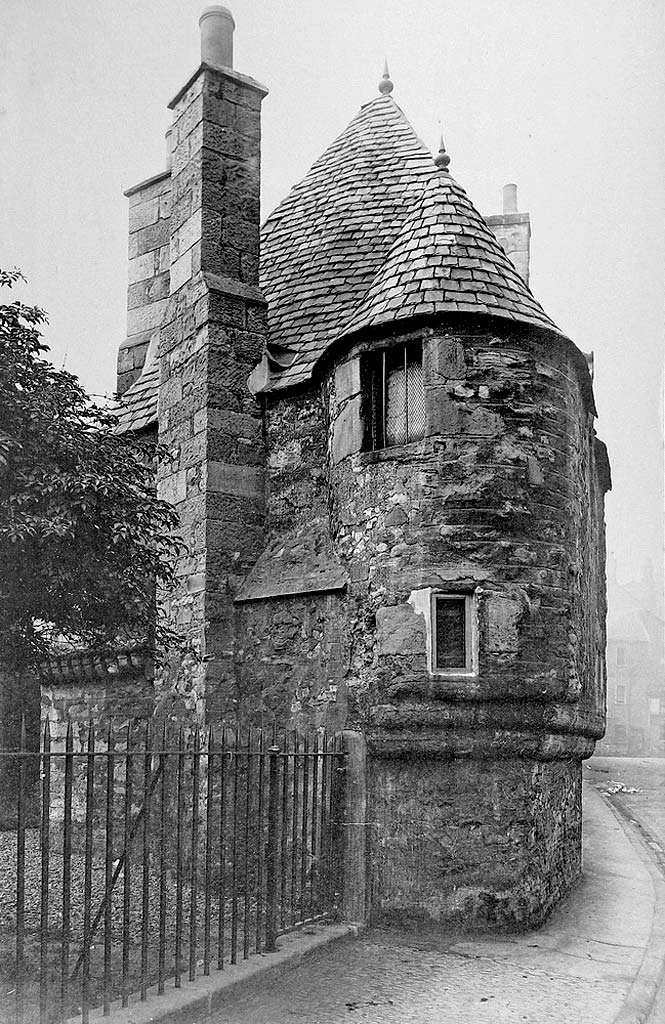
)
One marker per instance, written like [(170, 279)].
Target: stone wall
[(292, 616), (293, 660), (296, 442), (496, 501), (101, 689), (147, 275), (502, 500), (93, 689), (473, 842)]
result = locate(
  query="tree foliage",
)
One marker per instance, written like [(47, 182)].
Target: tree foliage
[(84, 539)]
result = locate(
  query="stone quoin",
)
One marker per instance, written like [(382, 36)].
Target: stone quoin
[(389, 482)]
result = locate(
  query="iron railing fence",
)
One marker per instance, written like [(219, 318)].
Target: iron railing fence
[(160, 856)]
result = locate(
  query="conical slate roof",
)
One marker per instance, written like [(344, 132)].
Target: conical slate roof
[(445, 259), (323, 245), (376, 232)]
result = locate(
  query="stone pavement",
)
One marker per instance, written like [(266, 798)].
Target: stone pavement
[(598, 960)]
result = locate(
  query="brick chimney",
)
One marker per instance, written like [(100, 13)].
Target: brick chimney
[(212, 334), (513, 231)]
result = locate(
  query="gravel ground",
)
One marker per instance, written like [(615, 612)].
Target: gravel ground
[(32, 922)]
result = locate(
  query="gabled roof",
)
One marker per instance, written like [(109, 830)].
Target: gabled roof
[(444, 260), (323, 245)]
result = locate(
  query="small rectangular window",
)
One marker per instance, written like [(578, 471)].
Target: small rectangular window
[(452, 633), (621, 656), (620, 697), (394, 396)]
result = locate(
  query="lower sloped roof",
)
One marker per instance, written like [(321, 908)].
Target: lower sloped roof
[(138, 405)]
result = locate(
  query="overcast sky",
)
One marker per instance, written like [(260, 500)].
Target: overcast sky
[(564, 97)]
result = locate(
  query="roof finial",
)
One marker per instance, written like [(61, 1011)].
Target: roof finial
[(385, 85), (442, 159)]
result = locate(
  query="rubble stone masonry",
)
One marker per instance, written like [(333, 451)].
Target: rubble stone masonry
[(501, 500), (475, 780)]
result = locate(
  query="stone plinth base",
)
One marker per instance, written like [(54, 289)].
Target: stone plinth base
[(473, 843)]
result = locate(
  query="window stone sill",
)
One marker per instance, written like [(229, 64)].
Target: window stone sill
[(396, 452)]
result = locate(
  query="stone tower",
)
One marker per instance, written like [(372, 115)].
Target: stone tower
[(396, 520), (203, 254)]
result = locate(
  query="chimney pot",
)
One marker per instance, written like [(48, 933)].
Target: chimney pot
[(217, 25), (510, 198)]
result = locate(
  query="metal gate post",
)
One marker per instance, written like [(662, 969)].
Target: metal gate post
[(273, 849), (353, 826)]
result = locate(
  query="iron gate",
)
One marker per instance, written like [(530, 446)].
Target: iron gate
[(155, 857)]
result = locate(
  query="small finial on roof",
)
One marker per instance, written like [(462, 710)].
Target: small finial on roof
[(385, 85), (442, 159)]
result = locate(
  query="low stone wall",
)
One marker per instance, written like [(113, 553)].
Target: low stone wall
[(120, 701)]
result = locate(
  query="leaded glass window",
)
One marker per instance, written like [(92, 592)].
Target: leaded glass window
[(396, 396)]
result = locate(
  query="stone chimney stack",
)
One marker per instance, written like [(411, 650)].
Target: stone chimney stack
[(212, 334), (513, 231)]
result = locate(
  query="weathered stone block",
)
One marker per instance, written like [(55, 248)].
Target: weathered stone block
[(348, 431), (184, 237), (240, 234), (142, 267), (243, 481), (441, 411), (503, 616), (143, 214), (443, 359), (227, 310), (151, 237), (181, 271), (400, 631), (145, 318), (347, 380)]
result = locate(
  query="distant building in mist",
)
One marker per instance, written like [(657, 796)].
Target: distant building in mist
[(635, 670)]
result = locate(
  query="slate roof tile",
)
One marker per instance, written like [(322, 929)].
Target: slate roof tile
[(371, 234), (348, 209), (138, 405), (439, 210)]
